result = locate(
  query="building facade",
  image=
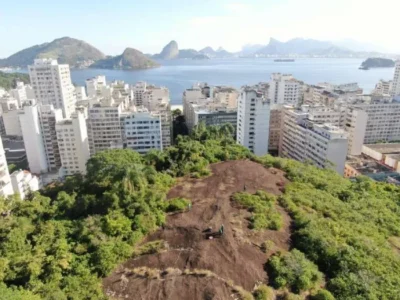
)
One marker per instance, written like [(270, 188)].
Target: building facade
[(73, 143), (253, 120), (284, 89), (304, 140), (395, 91), (23, 183), (5, 180), (52, 85)]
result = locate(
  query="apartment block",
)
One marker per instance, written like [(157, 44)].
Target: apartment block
[(138, 90), (73, 143), (355, 124), (19, 93), (94, 86), (23, 183), (142, 130), (253, 120), (383, 87), (395, 91), (80, 93), (104, 125), (275, 122), (52, 85), (284, 89), (304, 140)]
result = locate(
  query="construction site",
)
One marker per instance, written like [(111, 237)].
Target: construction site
[(209, 250)]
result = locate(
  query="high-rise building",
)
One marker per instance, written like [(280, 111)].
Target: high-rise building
[(355, 124), (23, 183), (142, 130), (383, 87), (80, 93), (19, 93), (138, 90), (284, 89), (304, 140), (40, 139), (52, 85), (5, 180), (253, 120), (104, 125), (95, 85), (73, 143), (396, 80)]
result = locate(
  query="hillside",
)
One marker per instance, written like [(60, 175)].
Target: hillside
[(139, 227), (130, 59), (378, 63), (66, 50), (170, 51), (8, 80)]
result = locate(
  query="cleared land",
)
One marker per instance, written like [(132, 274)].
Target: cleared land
[(192, 267)]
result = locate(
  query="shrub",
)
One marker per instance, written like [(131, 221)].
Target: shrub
[(294, 271), (323, 295), (177, 204), (267, 246), (264, 292), (149, 248)]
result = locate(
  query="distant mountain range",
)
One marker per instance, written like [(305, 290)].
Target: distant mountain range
[(79, 54)]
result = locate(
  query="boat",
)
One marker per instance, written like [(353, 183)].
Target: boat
[(284, 60)]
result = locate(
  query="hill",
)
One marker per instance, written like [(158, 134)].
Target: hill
[(149, 227), (130, 59), (170, 51), (377, 62), (8, 80), (66, 50)]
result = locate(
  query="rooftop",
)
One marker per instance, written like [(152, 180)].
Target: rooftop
[(385, 148)]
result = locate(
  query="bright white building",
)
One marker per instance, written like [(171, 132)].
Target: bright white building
[(80, 93), (40, 139), (23, 183), (396, 80), (11, 122), (355, 124), (73, 143), (154, 96), (52, 85), (253, 120), (19, 93), (304, 140), (94, 86), (104, 125), (383, 87), (284, 89), (142, 130), (5, 180)]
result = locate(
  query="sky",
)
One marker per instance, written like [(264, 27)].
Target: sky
[(113, 25)]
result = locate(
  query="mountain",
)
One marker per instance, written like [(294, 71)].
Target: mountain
[(130, 59), (359, 46), (66, 50), (220, 53), (170, 51), (251, 49), (294, 46)]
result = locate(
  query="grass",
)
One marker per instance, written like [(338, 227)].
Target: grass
[(177, 204), (150, 248)]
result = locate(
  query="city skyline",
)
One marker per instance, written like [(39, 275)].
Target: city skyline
[(203, 23)]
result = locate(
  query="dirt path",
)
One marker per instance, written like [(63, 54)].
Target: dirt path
[(233, 257)]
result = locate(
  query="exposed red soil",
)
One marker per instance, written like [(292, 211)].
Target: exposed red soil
[(235, 257)]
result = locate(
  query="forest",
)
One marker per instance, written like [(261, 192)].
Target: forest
[(61, 241)]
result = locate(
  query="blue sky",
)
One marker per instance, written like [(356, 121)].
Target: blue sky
[(148, 25)]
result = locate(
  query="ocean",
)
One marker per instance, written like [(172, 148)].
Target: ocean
[(179, 75)]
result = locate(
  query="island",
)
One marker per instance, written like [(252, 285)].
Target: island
[(377, 62)]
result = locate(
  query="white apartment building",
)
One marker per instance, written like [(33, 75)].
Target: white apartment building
[(23, 183), (52, 85), (94, 86), (5, 180), (395, 91), (104, 126), (40, 139), (322, 114), (19, 93), (138, 90), (8, 103), (154, 96), (275, 122), (253, 120), (11, 123), (80, 93), (383, 88), (355, 123), (142, 131), (304, 140), (73, 143), (284, 89), (383, 124)]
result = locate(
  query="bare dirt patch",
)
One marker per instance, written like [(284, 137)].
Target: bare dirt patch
[(236, 257)]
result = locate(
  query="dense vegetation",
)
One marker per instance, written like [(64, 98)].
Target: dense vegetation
[(262, 207), (59, 242), (8, 80)]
